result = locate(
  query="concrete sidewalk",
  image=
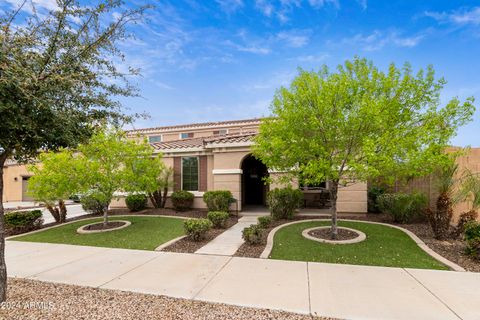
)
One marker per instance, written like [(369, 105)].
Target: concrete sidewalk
[(342, 291), (227, 243)]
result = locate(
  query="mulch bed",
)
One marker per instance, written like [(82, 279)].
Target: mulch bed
[(326, 234), (101, 226), (186, 245)]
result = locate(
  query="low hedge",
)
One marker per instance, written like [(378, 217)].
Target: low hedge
[(136, 202), (23, 221), (253, 234), (92, 204), (196, 229), (403, 207), (218, 200), (264, 221), (472, 237), (283, 202), (218, 218), (182, 200)]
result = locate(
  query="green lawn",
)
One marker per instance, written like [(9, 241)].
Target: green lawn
[(145, 233), (384, 246)]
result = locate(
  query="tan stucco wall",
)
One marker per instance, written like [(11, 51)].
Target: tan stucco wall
[(13, 189), (471, 162), (353, 198)]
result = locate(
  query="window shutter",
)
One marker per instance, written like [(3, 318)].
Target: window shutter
[(203, 174), (177, 173)]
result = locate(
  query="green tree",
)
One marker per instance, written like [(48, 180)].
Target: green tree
[(359, 123), (58, 80), (111, 163), (53, 181)]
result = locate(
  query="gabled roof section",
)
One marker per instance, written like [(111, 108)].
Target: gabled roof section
[(205, 142), (244, 122)]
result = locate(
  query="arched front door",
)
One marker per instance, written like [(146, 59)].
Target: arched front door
[(254, 189)]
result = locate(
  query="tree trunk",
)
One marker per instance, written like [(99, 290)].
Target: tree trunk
[(164, 197), (55, 212), (63, 211), (105, 216), (3, 267), (333, 198)]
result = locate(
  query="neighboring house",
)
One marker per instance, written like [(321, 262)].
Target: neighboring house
[(211, 156)]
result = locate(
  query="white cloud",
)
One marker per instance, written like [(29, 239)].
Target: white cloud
[(40, 5), (265, 7), (458, 17), (380, 39), (163, 85), (312, 58), (294, 39), (320, 3), (229, 6)]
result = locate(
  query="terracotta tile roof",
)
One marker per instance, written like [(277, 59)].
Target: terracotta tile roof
[(201, 142), (245, 122)]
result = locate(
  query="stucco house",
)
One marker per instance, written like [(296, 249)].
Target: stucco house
[(210, 156), (217, 156)]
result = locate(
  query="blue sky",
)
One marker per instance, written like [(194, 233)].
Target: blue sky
[(223, 59)]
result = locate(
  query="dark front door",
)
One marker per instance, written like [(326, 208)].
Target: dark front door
[(254, 188)]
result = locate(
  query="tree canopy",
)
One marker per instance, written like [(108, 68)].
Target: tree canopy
[(358, 123)]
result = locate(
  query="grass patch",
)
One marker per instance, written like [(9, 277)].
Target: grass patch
[(384, 246), (145, 233)]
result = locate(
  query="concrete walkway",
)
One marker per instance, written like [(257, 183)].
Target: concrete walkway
[(227, 243), (341, 291)]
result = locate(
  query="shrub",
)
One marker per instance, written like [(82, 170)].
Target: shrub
[(93, 204), (373, 194), (252, 234), (464, 218), (264, 221), (182, 200), (219, 200), (472, 237), (283, 202), (23, 221), (403, 207), (218, 218), (196, 229), (136, 202)]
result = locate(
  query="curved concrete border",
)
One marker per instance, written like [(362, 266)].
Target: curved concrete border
[(268, 249), (82, 230), (169, 243), (88, 218), (361, 236)]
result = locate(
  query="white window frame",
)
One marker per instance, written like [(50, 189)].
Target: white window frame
[(198, 172), (221, 134), (157, 135)]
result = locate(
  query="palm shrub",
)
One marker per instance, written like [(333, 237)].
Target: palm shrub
[(253, 234), (469, 192), (196, 229), (472, 237), (182, 200), (283, 202), (441, 217), (218, 218), (136, 202), (218, 200), (403, 207)]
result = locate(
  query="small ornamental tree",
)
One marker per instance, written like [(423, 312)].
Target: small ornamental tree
[(111, 163), (53, 181), (359, 123)]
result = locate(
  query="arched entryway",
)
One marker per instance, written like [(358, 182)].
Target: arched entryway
[(254, 189)]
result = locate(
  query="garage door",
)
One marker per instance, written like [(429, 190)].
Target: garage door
[(25, 196)]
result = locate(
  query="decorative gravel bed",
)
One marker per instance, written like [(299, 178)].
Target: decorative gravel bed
[(186, 245), (29, 299), (342, 234)]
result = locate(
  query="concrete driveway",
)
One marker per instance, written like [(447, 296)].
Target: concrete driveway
[(342, 291)]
